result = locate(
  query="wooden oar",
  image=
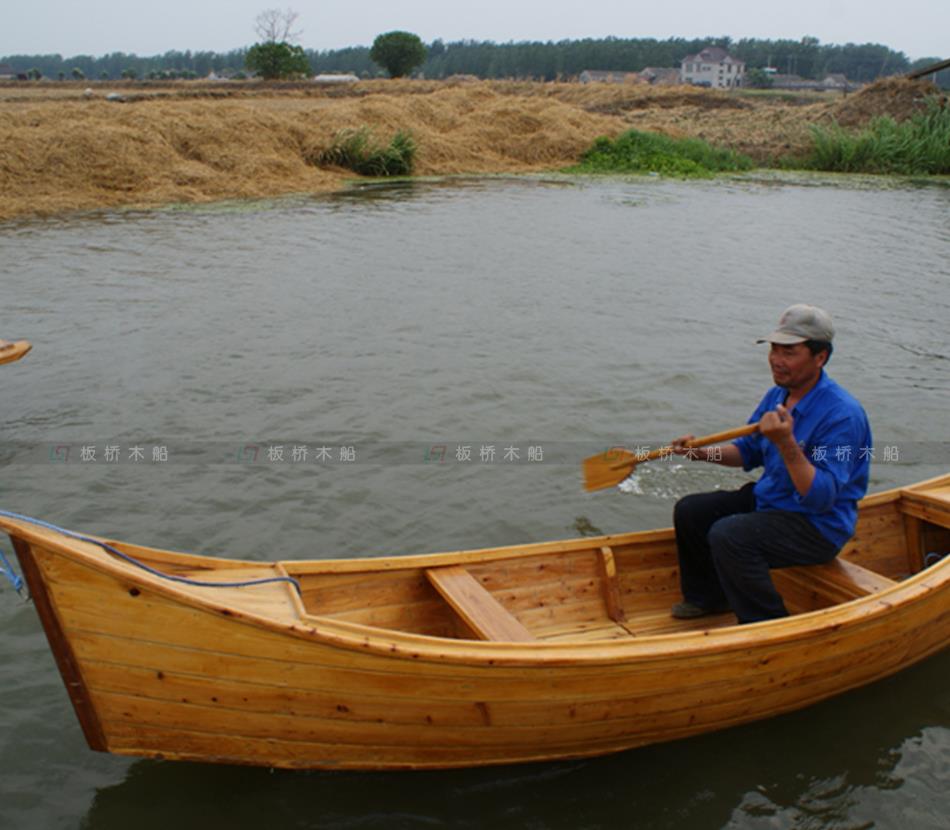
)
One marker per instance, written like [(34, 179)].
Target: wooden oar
[(13, 351), (613, 466)]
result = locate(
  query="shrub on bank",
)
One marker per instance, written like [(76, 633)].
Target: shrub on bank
[(642, 152), (919, 144), (358, 150)]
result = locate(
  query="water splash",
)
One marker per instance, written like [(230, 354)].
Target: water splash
[(631, 485)]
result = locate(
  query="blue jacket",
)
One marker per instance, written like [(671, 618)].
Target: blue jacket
[(832, 429)]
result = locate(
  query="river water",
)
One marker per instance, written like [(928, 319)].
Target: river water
[(421, 367)]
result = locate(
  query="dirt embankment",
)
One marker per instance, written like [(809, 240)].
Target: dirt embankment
[(63, 150)]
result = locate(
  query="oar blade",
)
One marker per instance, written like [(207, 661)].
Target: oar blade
[(608, 468)]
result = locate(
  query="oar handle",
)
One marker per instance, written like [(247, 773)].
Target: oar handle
[(702, 441), (725, 435)]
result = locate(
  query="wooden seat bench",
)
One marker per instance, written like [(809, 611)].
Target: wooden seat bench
[(487, 618), (810, 587)]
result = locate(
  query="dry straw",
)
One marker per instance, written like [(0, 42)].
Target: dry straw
[(61, 151)]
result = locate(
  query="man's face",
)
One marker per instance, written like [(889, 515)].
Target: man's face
[(795, 366)]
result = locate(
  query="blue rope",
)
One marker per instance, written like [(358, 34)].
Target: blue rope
[(7, 570), (132, 561)]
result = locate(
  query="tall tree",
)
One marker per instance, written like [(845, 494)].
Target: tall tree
[(275, 56), (276, 26), (277, 60), (398, 52)]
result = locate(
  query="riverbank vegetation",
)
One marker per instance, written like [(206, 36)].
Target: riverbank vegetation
[(919, 144), (360, 151), (642, 152)]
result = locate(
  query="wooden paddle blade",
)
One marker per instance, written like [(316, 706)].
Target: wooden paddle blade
[(614, 465), (608, 468)]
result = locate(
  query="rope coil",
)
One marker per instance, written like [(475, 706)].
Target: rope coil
[(133, 561)]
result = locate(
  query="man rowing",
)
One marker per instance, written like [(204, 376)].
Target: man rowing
[(813, 444)]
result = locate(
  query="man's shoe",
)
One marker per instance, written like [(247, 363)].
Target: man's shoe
[(690, 611)]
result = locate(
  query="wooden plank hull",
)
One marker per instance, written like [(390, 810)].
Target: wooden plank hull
[(251, 676)]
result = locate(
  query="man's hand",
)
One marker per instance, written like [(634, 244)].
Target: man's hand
[(726, 454), (777, 426), (679, 447)]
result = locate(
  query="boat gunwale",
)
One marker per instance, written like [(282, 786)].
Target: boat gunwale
[(420, 647)]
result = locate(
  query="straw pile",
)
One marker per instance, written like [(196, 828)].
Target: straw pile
[(59, 155), (897, 97), (183, 142)]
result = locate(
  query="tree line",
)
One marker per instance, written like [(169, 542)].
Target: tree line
[(547, 61)]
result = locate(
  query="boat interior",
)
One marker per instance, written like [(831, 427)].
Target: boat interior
[(578, 590)]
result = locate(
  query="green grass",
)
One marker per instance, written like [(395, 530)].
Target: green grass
[(358, 150), (920, 144), (642, 152)]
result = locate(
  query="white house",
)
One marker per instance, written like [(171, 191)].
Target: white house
[(713, 67)]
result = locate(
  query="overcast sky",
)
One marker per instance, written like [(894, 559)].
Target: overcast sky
[(919, 28)]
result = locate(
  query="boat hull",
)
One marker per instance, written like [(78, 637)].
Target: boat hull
[(160, 670)]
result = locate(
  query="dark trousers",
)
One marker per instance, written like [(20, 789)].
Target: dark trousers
[(726, 549)]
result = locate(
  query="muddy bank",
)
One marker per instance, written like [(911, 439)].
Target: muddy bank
[(63, 150)]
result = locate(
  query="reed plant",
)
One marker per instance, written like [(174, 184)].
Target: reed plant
[(643, 152), (918, 145), (359, 151)]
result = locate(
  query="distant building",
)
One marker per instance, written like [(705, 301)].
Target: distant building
[(661, 75), (834, 82), (7, 73), (713, 67), (782, 80), (599, 76), (337, 78)]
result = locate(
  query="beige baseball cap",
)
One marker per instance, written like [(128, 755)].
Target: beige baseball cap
[(799, 323)]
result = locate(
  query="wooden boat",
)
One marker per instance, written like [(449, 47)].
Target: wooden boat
[(13, 350), (542, 651)]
